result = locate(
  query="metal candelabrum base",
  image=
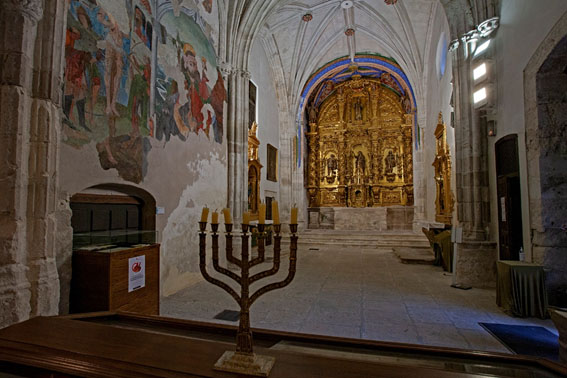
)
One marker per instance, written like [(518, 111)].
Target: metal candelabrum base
[(244, 360), (245, 363)]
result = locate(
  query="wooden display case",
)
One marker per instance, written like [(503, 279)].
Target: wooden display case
[(132, 345), (101, 280)]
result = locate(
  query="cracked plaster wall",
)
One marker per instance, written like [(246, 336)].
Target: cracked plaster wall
[(182, 176)]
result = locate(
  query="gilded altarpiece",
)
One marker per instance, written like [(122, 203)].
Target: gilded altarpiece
[(442, 165), (360, 148)]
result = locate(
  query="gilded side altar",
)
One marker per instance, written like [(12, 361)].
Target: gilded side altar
[(360, 147), (444, 201)]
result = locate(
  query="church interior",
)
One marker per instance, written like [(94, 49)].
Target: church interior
[(414, 150)]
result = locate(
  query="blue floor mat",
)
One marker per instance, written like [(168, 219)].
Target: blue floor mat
[(529, 340)]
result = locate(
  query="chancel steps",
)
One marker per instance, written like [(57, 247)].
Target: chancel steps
[(363, 239)]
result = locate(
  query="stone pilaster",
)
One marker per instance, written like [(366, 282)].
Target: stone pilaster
[(18, 26)]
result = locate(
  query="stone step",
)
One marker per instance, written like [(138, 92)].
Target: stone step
[(368, 239), (360, 244), (415, 255)]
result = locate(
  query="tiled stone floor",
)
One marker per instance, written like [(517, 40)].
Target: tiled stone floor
[(361, 293)]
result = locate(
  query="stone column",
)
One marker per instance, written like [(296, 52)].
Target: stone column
[(43, 165), (419, 176), (18, 26), (476, 256), (237, 139), (286, 168)]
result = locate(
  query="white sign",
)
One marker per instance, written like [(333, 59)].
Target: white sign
[(136, 273)]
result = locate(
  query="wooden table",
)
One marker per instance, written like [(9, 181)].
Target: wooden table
[(521, 289), (129, 345)]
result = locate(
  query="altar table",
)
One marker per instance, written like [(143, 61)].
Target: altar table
[(521, 289)]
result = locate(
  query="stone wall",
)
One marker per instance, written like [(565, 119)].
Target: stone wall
[(526, 27), (551, 242), (544, 110)]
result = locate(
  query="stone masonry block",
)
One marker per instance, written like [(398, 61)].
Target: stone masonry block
[(551, 87), (476, 264), (14, 102)]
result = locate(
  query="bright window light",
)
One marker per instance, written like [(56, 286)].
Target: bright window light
[(480, 71), (481, 48), (479, 95)]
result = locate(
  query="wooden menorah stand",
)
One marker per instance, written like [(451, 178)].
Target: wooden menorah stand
[(244, 360)]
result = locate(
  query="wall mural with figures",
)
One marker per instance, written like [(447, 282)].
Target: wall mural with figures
[(110, 54), (190, 91)]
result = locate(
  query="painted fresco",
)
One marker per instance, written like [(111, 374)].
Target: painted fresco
[(107, 81), (189, 89)]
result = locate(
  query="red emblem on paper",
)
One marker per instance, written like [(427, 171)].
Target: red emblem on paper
[(136, 267)]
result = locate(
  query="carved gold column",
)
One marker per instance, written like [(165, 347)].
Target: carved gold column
[(342, 168), (374, 98), (313, 174), (341, 101), (408, 157)]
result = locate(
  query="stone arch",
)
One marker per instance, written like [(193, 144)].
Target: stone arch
[(147, 199), (65, 231), (546, 132)]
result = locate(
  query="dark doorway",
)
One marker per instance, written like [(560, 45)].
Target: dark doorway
[(509, 201)]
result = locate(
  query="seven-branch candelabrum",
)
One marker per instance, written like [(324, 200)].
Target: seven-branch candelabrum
[(244, 280)]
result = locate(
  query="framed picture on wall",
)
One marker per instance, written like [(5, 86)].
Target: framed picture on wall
[(272, 171)]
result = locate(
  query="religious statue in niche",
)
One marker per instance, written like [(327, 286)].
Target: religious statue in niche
[(360, 164), (312, 113), (252, 189), (358, 109), (332, 167), (390, 162), (441, 190), (406, 103)]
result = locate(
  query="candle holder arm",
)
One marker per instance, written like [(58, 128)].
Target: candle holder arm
[(287, 280), (276, 285), (261, 249), (276, 266), (203, 269), (229, 250), (220, 284), (222, 270), (227, 272)]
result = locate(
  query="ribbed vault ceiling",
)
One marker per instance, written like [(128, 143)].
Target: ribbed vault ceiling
[(305, 35)]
